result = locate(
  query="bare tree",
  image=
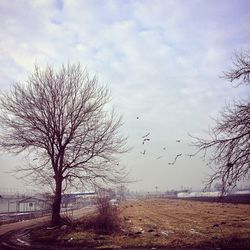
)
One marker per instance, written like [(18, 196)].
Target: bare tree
[(228, 146), (63, 118), (241, 68)]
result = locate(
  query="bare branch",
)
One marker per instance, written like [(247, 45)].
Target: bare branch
[(228, 147), (241, 68)]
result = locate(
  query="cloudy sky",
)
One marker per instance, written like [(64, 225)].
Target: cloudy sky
[(161, 59)]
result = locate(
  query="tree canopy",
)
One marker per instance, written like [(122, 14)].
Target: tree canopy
[(63, 119)]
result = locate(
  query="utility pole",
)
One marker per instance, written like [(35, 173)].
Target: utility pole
[(156, 190)]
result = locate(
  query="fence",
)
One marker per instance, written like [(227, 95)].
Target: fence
[(14, 217)]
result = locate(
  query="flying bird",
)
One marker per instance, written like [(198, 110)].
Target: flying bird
[(145, 139), (178, 140), (146, 135), (164, 148), (175, 159), (177, 156), (158, 157), (143, 153), (137, 117)]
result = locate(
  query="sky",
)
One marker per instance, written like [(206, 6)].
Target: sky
[(163, 61)]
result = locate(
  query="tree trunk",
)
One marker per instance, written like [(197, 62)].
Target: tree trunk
[(56, 207)]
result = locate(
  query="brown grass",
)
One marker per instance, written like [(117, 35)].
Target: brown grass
[(186, 223), (173, 223)]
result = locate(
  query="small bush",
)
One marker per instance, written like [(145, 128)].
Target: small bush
[(107, 220), (103, 205)]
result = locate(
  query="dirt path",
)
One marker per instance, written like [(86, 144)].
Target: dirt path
[(16, 235), (22, 224), (34, 222)]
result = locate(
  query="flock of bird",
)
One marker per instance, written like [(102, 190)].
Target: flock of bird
[(145, 138)]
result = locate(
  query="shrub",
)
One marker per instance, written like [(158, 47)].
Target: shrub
[(107, 220)]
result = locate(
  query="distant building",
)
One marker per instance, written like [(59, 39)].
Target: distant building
[(8, 203), (32, 204), (77, 200), (12, 204)]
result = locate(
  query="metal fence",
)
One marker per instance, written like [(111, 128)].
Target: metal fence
[(14, 217)]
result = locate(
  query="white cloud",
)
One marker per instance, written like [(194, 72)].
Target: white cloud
[(161, 60)]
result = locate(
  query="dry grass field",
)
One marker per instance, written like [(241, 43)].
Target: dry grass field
[(171, 223), (185, 223)]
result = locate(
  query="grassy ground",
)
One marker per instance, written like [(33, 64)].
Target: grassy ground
[(166, 223)]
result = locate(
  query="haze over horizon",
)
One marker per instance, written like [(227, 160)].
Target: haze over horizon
[(162, 61)]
